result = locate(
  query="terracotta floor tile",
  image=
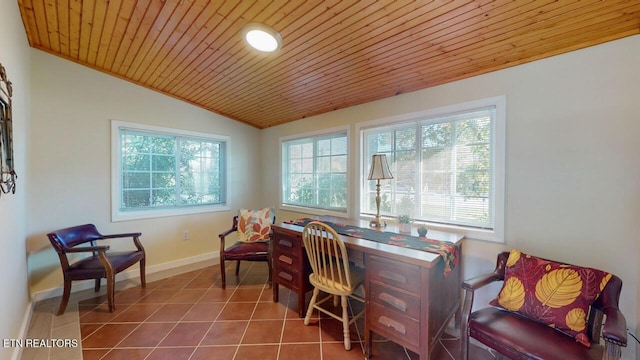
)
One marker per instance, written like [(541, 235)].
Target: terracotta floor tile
[(170, 312), (335, 350), (225, 333), (246, 295), (201, 282), (147, 335), (101, 314), (186, 334), (88, 329), (187, 296), (203, 312), (263, 332), (269, 311), (253, 352), (295, 331), (129, 354), (237, 311), (94, 354), (216, 295), (108, 336), (171, 353), (136, 313), (302, 351), (214, 352), (157, 296)]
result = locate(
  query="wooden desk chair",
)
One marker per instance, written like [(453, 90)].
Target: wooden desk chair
[(519, 337), (254, 233), (331, 273), (102, 263)]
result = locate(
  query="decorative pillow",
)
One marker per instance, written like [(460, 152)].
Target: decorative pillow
[(255, 225), (556, 294)]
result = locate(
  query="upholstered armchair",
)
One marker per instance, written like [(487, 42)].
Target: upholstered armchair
[(101, 263), (253, 228), (518, 328)]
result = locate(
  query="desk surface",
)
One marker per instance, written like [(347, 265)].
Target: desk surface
[(369, 246)]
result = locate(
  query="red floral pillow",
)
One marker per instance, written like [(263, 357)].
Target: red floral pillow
[(556, 294), (255, 225)]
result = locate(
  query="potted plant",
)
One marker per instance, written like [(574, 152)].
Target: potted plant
[(404, 223), (422, 230)]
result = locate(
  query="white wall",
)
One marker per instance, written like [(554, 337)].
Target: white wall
[(572, 159), (70, 164), (14, 302)]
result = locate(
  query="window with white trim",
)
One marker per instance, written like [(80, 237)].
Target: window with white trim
[(315, 172), (164, 172), (448, 167)]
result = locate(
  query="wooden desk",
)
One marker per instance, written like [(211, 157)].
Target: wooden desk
[(409, 300)]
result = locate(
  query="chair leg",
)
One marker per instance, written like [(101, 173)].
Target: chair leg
[(143, 279), (110, 275), (237, 267), (96, 287), (65, 297), (269, 266), (222, 272), (314, 298), (345, 323), (111, 279)]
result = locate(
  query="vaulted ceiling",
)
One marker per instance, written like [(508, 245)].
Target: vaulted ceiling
[(336, 53)]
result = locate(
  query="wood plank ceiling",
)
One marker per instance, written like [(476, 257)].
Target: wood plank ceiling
[(336, 53)]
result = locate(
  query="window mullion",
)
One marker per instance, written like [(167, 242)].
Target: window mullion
[(178, 154), (454, 171)]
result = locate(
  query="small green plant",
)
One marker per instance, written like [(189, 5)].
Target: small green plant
[(404, 219), (422, 230)]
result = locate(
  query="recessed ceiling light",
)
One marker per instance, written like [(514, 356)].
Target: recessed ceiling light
[(262, 37)]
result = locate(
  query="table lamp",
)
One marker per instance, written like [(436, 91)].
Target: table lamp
[(379, 171)]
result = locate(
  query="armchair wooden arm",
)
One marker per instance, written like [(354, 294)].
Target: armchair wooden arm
[(87, 249)]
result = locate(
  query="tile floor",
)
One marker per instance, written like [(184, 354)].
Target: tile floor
[(189, 316)]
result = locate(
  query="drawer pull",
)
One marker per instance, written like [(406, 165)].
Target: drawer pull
[(393, 301), (285, 276), (392, 324), (286, 243), (393, 276), (285, 259)]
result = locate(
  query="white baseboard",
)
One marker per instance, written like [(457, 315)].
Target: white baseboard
[(154, 272), (26, 320)]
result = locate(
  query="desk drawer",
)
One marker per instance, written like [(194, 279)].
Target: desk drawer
[(398, 328), (395, 300), (287, 277), (394, 273), (286, 245)]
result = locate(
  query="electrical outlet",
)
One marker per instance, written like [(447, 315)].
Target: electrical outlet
[(185, 235)]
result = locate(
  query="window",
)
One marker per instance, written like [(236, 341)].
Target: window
[(314, 172), (163, 172), (448, 167)]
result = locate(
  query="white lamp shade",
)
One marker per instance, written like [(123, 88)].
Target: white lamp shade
[(379, 168)]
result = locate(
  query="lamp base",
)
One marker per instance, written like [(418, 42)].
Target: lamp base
[(375, 223)]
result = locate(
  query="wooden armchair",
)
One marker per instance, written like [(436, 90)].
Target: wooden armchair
[(101, 264), (249, 250), (517, 337)]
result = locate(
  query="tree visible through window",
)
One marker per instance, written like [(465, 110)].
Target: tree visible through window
[(315, 172), (159, 170), (442, 167)]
